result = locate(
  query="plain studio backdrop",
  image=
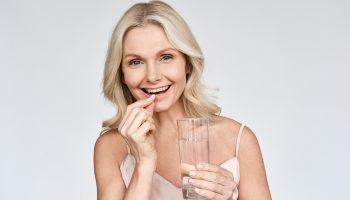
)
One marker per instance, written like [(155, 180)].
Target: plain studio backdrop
[(282, 68)]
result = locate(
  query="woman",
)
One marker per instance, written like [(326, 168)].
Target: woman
[(152, 75)]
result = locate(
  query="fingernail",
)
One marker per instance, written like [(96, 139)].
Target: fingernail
[(191, 180), (150, 98), (192, 173), (199, 166)]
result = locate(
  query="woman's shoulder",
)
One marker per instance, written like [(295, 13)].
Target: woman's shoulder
[(227, 131), (249, 149), (232, 126), (110, 146), (225, 127)]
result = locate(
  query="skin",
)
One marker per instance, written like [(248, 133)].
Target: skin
[(149, 126)]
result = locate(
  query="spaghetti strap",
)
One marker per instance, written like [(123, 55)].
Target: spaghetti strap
[(239, 138), (105, 130), (127, 146)]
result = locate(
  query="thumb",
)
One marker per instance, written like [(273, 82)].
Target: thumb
[(150, 107)]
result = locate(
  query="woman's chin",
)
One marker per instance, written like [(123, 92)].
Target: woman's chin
[(159, 107)]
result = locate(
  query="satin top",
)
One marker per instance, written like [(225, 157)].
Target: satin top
[(163, 189)]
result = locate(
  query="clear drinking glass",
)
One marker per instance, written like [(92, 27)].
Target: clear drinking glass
[(193, 137)]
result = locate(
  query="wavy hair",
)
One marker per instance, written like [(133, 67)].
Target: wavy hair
[(195, 102)]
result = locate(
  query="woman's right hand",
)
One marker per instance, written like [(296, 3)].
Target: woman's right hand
[(137, 126)]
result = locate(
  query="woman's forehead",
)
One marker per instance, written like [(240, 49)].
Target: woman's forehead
[(150, 38)]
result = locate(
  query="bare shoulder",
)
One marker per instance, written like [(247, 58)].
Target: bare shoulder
[(253, 181), (110, 150), (110, 146), (223, 136), (227, 128), (225, 132), (249, 143), (248, 137)]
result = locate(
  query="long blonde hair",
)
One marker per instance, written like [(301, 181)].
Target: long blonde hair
[(195, 102)]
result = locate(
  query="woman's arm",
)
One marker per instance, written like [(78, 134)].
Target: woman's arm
[(141, 182), (110, 150), (253, 182)]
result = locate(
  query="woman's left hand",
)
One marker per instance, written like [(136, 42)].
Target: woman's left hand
[(212, 181)]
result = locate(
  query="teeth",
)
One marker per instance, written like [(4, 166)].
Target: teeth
[(157, 90)]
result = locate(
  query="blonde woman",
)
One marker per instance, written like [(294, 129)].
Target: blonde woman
[(152, 76)]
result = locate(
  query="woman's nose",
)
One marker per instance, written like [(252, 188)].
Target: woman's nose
[(153, 73)]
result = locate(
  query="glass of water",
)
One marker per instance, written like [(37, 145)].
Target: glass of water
[(193, 135)]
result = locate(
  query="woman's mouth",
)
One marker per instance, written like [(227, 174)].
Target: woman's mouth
[(160, 90)]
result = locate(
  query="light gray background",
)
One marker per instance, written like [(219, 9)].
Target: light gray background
[(281, 66)]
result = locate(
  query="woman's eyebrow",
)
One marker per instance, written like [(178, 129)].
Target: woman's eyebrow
[(159, 52)]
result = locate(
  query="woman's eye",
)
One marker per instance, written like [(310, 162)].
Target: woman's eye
[(167, 57), (137, 62), (134, 62)]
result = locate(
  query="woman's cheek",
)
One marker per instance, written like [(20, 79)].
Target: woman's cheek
[(133, 79), (176, 73)]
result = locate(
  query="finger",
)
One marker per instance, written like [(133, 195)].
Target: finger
[(148, 114), (209, 194), (138, 120), (146, 111), (142, 103), (142, 130), (214, 168), (122, 123), (129, 120), (138, 104), (211, 176), (150, 119), (207, 185), (150, 108)]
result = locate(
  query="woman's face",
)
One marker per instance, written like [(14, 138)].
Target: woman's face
[(151, 64)]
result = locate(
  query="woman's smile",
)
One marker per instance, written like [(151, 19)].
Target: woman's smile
[(160, 92)]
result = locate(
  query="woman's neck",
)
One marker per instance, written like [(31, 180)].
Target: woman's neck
[(165, 121)]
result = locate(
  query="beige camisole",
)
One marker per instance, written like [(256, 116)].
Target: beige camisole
[(162, 189)]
